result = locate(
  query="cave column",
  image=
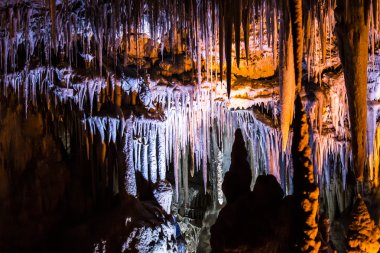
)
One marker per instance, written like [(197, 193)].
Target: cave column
[(352, 30)]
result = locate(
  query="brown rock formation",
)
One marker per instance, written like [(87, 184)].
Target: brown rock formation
[(287, 73), (305, 190), (362, 235), (297, 30), (237, 180), (252, 221), (351, 30)]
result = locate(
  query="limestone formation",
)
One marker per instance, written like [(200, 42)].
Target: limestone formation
[(306, 191), (363, 234)]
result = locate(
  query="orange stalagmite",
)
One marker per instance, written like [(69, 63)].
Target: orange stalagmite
[(362, 235), (305, 189)]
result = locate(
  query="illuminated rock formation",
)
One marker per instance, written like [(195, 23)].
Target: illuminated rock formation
[(139, 93), (352, 31), (306, 191), (163, 193), (287, 73), (149, 229), (363, 234)]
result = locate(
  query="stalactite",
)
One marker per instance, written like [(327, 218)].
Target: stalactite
[(308, 42), (268, 22), (175, 164), (246, 22), (185, 177), (181, 106), (237, 21), (118, 29), (152, 155), (287, 74), (100, 51), (204, 160), (52, 8), (275, 34), (103, 151), (228, 42), (121, 25), (261, 30), (221, 39), (219, 179), (322, 31), (5, 55), (372, 30), (87, 148), (130, 177)]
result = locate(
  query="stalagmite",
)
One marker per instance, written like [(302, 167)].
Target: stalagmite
[(305, 189), (362, 235), (237, 181), (163, 193)]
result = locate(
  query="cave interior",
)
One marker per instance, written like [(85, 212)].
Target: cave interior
[(190, 126)]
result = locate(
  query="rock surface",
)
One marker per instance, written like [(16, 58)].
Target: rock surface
[(362, 235)]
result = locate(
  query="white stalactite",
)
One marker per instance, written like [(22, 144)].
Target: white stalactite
[(189, 114), (161, 159), (144, 157), (152, 155), (130, 176)]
